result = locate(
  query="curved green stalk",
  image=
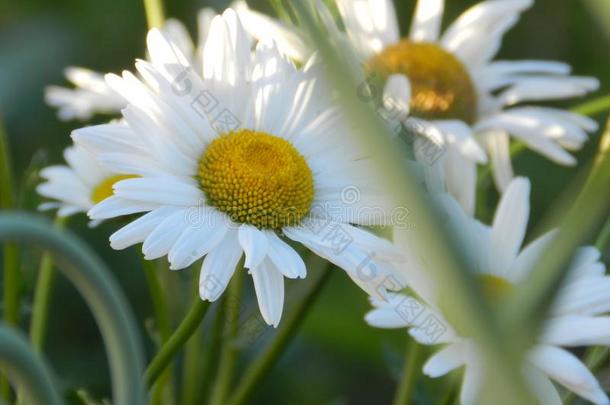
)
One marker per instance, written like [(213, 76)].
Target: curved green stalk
[(176, 341), (229, 352), (101, 292), (404, 392), (462, 301), (288, 327), (42, 296), (11, 254), (25, 369)]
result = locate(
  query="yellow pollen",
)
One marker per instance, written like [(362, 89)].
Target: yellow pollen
[(104, 189), (441, 87), (257, 179), (495, 288)]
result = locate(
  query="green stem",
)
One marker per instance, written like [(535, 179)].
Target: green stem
[(257, 370), (193, 363), (154, 13), (162, 320), (229, 351), (409, 376), (42, 295), (26, 370), (158, 298), (176, 341), (102, 293), (211, 358)]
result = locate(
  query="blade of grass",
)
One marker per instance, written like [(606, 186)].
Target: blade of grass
[(462, 301), (101, 292), (404, 392), (27, 371)]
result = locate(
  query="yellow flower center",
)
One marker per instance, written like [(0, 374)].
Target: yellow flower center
[(495, 288), (441, 86), (104, 189), (257, 179)]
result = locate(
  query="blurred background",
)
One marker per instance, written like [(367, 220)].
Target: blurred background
[(336, 359)]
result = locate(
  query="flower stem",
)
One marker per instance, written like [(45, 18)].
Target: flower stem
[(158, 299), (154, 13), (229, 351), (193, 364), (162, 319), (42, 296), (210, 361), (409, 374), (176, 341), (289, 326)]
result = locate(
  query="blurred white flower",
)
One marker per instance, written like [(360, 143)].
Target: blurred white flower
[(464, 97), (578, 317), (77, 186), (239, 157), (91, 95)]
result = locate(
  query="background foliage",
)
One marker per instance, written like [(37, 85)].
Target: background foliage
[(336, 358)]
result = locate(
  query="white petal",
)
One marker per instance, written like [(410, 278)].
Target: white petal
[(198, 239), (161, 190), (138, 230), (255, 244), (510, 224), (445, 360), (426, 24), (269, 287), (218, 267), (569, 371), (498, 143), (162, 238), (285, 258), (573, 330)]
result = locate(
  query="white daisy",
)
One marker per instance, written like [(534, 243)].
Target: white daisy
[(239, 158), (452, 82), (91, 95), (77, 186), (578, 317)]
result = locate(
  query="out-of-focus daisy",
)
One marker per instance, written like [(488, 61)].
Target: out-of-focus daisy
[(239, 158), (578, 318), (454, 84), (91, 95), (77, 186)]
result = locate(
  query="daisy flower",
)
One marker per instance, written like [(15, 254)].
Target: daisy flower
[(450, 81), (246, 157), (578, 317), (77, 186), (91, 95)]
